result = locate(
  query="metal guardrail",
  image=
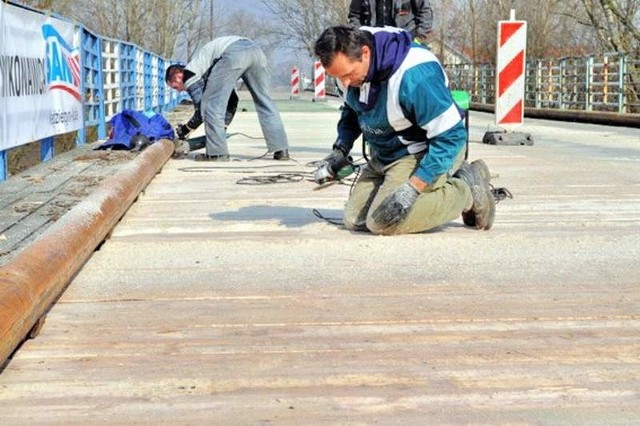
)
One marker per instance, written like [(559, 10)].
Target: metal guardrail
[(605, 83), (115, 75)]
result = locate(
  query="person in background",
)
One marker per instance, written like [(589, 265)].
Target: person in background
[(210, 78), (415, 16), (396, 96)]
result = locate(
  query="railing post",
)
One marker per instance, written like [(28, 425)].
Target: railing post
[(538, 83), (475, 82), (110, 53), (93, 84), (3, 165), (81, 135), (148, 89), (483, 83), (140, 89), (127, 77), (160, 87), (102, 124), (46, 149), (563, 77), (622, 71), (549, 92), (589, 81)]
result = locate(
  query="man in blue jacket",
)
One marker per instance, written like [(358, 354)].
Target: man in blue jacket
[(396, 95)]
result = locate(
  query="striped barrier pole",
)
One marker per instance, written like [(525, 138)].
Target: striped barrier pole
[(512, 43), (295, 82), (510, 73), (319, 82)]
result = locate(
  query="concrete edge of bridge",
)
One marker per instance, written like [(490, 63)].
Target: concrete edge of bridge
[(36, 277)]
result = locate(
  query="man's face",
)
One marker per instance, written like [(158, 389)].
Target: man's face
[(350, 72), (176, 82)]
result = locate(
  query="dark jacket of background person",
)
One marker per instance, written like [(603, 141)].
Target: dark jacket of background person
[(415, 16)]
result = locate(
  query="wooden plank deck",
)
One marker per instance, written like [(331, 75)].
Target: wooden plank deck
[(231, 304)]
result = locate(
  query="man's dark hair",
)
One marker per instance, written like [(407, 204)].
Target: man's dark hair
[(171, 71), (341, 39)]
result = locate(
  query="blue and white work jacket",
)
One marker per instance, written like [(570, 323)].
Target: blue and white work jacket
[(414, 112)]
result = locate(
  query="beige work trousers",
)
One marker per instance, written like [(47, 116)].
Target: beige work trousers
[(443, 202)]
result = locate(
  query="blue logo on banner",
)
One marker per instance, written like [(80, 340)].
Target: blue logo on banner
[(63, 63)]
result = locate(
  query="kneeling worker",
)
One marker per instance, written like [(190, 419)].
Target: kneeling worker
[(396, 95), (210, 78)]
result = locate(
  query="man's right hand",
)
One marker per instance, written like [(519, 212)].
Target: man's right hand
[(182, 130), (329, 166), (335, 160)]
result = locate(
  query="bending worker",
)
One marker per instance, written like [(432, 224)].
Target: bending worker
[(396, 95), (210, 78)]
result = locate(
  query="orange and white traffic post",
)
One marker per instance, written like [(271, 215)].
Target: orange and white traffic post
[(512, 46), (510, 83), (319, 81), (295, 82)]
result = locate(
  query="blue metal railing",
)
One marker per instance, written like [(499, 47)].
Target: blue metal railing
[(115, 75), (93, 88)]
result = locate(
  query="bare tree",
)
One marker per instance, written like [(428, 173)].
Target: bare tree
[(300, 22), (57, 6), (615, 23), (549, 32)]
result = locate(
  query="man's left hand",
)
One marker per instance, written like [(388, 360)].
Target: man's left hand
[(395, 208), (182, 130)]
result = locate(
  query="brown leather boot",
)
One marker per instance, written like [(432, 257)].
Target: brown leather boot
[(483, 211)]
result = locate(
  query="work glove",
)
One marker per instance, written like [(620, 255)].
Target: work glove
[(329, 166), (182, 130), (395, 207), (336, 160)]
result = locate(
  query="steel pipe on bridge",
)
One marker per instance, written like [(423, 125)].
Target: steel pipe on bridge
[(32, 281)]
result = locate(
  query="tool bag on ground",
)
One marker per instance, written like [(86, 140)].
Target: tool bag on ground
[(127, 126)]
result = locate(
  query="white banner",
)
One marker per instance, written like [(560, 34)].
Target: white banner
[(39, 77)]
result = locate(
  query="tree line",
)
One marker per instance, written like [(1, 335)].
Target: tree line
[(556, 28), (176, 28)]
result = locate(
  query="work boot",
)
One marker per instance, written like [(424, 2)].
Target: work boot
[(281, 155), (483, 210), (205, 157)]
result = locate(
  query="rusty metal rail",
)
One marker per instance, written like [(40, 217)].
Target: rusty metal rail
[(32, 281)]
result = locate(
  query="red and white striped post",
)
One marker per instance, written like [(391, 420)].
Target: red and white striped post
[(295, 82), (510, 69), (512, 43), (319, 81)]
